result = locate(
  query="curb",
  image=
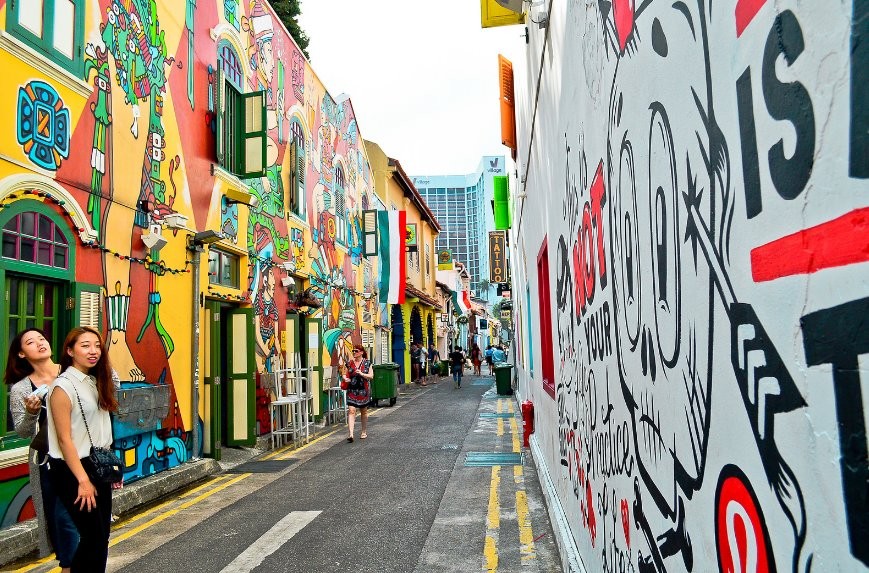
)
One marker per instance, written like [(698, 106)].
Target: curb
[(21, 539)]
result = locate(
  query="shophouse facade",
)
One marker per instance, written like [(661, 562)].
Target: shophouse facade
[(690, 281), (462, 205), (414, 320), (140, 137)]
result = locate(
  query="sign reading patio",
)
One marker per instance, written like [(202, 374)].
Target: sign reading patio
[(497, 257)]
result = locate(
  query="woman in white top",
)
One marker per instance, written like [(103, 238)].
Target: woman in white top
[(30, 371), (84, 386)]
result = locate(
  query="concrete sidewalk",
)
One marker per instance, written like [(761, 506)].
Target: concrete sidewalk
[(21, 539)]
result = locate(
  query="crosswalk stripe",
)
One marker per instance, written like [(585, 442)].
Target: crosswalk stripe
[(270, 541)]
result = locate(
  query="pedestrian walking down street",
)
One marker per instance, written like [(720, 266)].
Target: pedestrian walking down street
[(476, 359), (79, 404), (358, 380), (423, 363), (498, 354), (457, 365), (489, 361), (434, 359), (30, 370)]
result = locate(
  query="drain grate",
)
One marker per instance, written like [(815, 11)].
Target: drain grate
[(477, 459), (261, 466), (497, 415)]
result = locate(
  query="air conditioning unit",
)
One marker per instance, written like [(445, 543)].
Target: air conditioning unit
[(512, 5)]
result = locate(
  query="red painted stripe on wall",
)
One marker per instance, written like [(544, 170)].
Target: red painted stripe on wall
[(745, 12), (842, 241)]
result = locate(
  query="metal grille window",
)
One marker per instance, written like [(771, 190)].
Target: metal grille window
[(222, 268), (34, 238)]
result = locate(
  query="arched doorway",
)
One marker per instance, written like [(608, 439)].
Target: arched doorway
[(415, 325), (398, 346)]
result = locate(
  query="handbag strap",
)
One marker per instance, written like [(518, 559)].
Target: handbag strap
[(81, 409)]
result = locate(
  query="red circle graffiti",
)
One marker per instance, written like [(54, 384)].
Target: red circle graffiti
[(740, 529)]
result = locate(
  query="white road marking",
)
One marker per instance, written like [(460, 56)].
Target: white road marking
[(271, 540)]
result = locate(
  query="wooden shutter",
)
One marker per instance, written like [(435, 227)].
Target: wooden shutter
[(252, 128), (508, 104), (369, 233), (220, 105), (89, 309), (300, 168), (293, 190)]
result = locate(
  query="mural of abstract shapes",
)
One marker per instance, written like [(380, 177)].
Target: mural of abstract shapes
[(740, 530), (43, 125)]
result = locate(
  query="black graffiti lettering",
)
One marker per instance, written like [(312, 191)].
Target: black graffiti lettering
[(788, 102), (598, 339), (859, 166), (837, 336), (748, 139)]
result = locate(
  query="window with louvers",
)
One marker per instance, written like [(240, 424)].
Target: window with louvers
[(89, 309)]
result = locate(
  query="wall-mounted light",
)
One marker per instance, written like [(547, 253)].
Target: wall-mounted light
[(207, 237), (175, 221), (153, 238), (234, 196)]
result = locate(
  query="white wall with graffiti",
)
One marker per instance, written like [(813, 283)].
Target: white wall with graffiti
[(696, 196)]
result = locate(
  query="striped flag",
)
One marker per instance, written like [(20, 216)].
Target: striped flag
[(391, 229), (462, 301)]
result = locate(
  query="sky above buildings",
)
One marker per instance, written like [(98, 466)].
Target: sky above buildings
[(422, 76)]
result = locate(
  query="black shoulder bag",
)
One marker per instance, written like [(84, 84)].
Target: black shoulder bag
[(107, 465)]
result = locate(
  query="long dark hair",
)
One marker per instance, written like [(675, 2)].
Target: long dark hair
[(18, 367), (102, 371)]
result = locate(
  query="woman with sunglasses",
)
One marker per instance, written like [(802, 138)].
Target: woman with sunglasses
[(30, 370), (358, 376)]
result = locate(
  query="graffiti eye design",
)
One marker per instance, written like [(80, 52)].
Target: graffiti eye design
[(665, 242), (626, 251)]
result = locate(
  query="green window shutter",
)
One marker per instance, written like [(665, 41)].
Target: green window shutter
[(369, 233), (293, 187), (220, 106), (301, 167), (252, 130)]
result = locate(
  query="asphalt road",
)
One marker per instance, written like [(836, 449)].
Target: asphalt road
[(402, 500)]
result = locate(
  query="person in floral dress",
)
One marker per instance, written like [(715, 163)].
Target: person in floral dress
[(357, 377)]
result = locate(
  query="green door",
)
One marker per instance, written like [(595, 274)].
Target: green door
[(240, 378), (28, 303), (314, 346), (210, 399)]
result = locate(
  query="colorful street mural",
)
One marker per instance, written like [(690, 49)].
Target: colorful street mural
[(707, 248), (119, 151)]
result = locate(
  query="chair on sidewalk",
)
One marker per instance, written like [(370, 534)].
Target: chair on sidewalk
[(291, 408)]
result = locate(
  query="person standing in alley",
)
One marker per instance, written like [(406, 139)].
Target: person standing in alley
[(423, 363), (416, 362), (498, 355), (476, 359), (434, 359), (358, 377), (489, 362), (30, 370), (79, 404), (457, 364)]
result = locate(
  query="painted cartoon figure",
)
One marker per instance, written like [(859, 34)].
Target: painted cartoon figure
[(671, 201)]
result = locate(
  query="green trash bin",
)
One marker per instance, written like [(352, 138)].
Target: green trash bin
[(384, 386), (503, 373)]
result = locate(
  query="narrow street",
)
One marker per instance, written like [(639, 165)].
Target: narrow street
[(404, 499)]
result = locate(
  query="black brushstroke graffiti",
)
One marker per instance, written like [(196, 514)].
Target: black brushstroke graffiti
[(837, 336)]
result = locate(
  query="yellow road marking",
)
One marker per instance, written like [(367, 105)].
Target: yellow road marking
[(500, 420), (493, 522), (527, 550), (133, 531), (309, 444)]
